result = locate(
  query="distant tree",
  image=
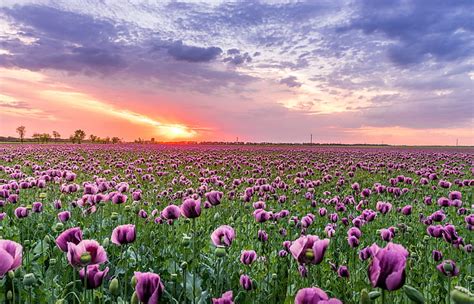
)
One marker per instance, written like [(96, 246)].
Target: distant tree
[(21, 130), (45, 137), (36, 136), (115, 140), (106, 140), (93, 138), (72, 138), (152, 140), (79, 136), (56, 135)]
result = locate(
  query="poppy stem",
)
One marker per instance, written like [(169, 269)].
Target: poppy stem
[(84, 294), (449, 290), (194, 261)]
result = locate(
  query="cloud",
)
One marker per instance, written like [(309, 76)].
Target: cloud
[(80, 43), (419, 30), (179, 51), (291, 81)]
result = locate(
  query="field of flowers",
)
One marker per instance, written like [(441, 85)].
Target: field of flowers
[(235, 224)]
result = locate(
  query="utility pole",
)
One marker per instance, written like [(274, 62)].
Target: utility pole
[(311, 141), (457, 142)]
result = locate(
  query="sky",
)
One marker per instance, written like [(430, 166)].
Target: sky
[(393, 72)]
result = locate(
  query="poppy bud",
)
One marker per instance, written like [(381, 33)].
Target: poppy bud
[(9, 295), (52, 261), (413, 294), (29, 279), (374, 295), (133, 282), (364, 297), (134, 299), (60, 301), (106, 242), (174, 277), (274, 276), (42, 195), (114, 216), (11, 274), (114, 286)]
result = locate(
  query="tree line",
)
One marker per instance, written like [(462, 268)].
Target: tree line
[(78, 137)]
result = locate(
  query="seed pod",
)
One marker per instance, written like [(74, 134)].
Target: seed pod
[(460, 295), (186, 240), (174, 277), (58, 227), (29, 279), (86, 258), (184, 265), (220, 251), (413, 294), (9, 295)]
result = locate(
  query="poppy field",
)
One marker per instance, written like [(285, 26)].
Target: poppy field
[(133, 223)]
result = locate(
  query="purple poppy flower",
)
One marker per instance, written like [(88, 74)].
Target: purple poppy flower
[(94, 275), (149, 287), (247, 257), (37, 207), (71, 235), (343, 272), (90, 247), (10, 256), (223, 236), (314, 295), (21, 212), (64, 216), (387, 269), (226, 298), (124, 234), (246, 282), (448, 268), (309, 249), (171, 212), (214, 197), (437, 255), (191, 208), (262, 235)]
